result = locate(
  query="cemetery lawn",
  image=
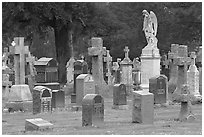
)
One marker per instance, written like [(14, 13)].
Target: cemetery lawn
[(116, 122)]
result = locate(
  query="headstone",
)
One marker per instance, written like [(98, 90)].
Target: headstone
[(84, 85), (150, 54), (42, 97), (92, 110), (19, 50), (116, 72), (185, 99), (47, 70), (158, 86), (126, 68), (193, 77), (182, 61), (96, 52), (80, 67), (143, 107), (165, 65), (37, 124), (136, 74), (108, 60), (199, 66), (70, 70), (32, 71), (19, 98), (119, 96), (58, 99), (173, 68)]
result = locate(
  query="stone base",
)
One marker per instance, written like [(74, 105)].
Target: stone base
[(120, 107), (19, 93), (76, 108), (37, 124), (19, 106)]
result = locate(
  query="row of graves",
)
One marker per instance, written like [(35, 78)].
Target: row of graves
[(39, 91)]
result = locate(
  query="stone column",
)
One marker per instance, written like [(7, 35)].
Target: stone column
[(150, 65), (126, 68)]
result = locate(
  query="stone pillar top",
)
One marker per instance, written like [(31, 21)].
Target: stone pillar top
[(126, 50)]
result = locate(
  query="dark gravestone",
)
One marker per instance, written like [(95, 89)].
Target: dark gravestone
[(58, 99), (92, 110), (119, 94), (47, 70), (80, 67), (41, 99), (143, 107), (158, 86)]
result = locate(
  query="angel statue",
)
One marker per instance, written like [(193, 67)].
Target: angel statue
[(150, 27)]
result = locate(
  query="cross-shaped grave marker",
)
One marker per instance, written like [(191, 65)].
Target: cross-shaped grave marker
[(108, 60), (19, 50), (126, 50), (181, 61), (97, 51)]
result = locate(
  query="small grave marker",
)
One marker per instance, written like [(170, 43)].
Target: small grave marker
[(143, 107), (92, 110), (37, 124)]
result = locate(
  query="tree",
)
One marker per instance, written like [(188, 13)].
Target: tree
[(29, 18)]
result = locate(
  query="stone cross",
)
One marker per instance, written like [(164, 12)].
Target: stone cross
[(108, 60), (19, 50), (173, 68), (126, 50), (181, 61), (185, 99), (96, 52)]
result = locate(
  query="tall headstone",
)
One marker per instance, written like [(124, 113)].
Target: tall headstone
[(173, 68), (126, 68), (108, 60), (182, 61), (193, 77), (96, 52), (199, 66), (150, 54), (116, 72), (80, 67), (136, 73), (19, 50), (19, 97), (70, 70)]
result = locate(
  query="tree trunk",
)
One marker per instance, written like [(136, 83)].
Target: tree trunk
[(62, 51)]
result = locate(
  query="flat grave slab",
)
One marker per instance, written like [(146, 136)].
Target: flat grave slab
[(37, 124)]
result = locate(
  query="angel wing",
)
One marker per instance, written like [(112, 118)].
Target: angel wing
[(154, 22), (146, 19)]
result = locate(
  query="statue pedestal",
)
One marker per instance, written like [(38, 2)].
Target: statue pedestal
[(150, 65)]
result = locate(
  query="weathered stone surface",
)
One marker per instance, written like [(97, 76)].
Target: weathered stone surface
[(96, 52), (84, 85), (158, 86), (150, 57), (42, 97), (92, 110), (70, 70), (126, 71), (58, 99), (193, 77), (37, 124), (119, 94), (143, 107), (19, 93), (19, 51)]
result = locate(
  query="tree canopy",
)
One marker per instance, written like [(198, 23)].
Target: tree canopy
[(70, 25)]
